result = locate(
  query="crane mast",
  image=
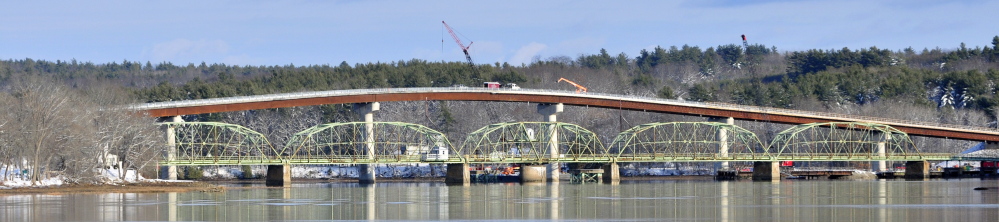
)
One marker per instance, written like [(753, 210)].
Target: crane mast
[(744, 44), (458, 40)]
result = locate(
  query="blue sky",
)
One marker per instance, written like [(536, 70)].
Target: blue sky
[(328, 32)]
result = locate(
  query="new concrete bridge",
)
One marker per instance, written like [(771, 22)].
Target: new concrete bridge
[(820, 137)]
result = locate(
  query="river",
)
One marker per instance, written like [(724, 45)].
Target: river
[(825, 200)]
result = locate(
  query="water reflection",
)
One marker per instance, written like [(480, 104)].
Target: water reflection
[(891, 200)]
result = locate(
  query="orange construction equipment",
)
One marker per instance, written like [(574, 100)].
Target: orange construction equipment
[(579, 88)]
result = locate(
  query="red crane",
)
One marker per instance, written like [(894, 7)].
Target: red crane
[(458, 40)]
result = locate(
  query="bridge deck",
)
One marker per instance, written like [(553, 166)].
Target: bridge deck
[(191, 107), (399, 159)]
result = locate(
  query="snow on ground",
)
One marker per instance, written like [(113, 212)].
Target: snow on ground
[(113, 175), (17, 182), (16, 178)]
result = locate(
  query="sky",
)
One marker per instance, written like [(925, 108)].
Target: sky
[(311, 32)]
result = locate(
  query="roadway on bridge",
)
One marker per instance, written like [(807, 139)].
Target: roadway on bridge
[(754, 113)]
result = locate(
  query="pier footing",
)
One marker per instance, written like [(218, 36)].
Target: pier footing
[(457, 174), (278, 176)]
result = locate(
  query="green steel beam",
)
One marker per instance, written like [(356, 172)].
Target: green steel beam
[(348, 141), (220, 142), (531, 142), (852, 139), (677, 139), (577, 159)]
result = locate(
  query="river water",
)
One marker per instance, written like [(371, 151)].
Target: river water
[(824, 200)]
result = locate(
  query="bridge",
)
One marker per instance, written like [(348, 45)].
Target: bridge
[(819, 137)]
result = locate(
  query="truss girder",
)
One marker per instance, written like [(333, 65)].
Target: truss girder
[(854, 140), (219, 142), (528, 142), (688, 140), (347, 143)]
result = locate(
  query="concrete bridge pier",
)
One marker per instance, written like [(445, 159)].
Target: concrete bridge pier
[(278, 175), (723, 141), (612, 173), (766, 171), (366, 172), (170, 172), (881, 165), (550, 111), (917, 169), (533, 173), (457, 174)]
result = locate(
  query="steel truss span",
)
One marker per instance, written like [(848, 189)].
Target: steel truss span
[(687, 141), (389, 142), (844, 140), (209, 143), (533, 142)]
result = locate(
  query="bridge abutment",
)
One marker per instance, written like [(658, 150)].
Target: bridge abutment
[(764, 171), (917, 169), (457, 174), (170, 172), (550, 111), (366, 172), (278, 175)]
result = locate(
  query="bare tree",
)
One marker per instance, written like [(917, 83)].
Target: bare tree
[(40, 113), (120, 138)]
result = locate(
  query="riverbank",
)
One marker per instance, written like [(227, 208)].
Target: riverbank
[(139, 187)]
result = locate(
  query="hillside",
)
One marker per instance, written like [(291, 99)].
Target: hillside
[(948, 86)]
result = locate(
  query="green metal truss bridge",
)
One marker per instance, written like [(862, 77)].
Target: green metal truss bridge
[(212, 143)]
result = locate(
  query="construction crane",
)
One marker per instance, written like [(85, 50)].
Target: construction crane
[(745, 44), (458, 40), (579, 88)]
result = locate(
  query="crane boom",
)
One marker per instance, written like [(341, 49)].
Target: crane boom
[(579, 88), (462, 45)]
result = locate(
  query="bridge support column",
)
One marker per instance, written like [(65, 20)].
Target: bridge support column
[(550, 111), (366, 172), (278, 175), (917, 169), (612, 173), (723, 141), (881, 165), (532, 173), (766, 171), (457, 174), (170, 172)]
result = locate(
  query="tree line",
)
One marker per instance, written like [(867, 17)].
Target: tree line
[(948, 86)]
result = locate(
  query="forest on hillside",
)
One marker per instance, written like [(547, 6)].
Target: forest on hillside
[(953, 86)]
